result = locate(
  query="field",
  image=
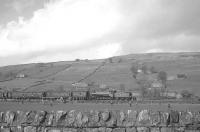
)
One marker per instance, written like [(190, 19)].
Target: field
[(92, 106), (61, 75)]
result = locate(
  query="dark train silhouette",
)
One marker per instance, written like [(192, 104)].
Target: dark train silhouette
[(68, 95)]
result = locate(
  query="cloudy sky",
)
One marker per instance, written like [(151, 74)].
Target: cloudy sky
[(55, 30)]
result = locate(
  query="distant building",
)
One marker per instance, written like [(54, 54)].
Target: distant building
[(156, 84), (80, 84), (171, 78), (170, 94), (20, 75), (139, 71)]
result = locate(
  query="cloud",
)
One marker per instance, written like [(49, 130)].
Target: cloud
[(70, 29), (65, 24)]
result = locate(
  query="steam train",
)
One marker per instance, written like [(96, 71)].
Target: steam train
[(68, 95)]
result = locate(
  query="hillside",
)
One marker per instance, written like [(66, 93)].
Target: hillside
[(113, 73)]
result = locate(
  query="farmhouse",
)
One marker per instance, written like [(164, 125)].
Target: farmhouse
[(156, 84), (20, 75)]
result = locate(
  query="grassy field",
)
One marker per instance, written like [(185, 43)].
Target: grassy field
[(92, 106), (61, 75)]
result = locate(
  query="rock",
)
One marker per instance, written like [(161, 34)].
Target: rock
[(197, 117), (19, 117), (155, 118), (113, 120), (40, 117), (186, 118), (102, 129), (29, 117), (17, 129), (79, 117), (133, 129), (42, 129), (60, 117), (105, 115), (29, 129), (143, 117), (164, 118), (69, 130), (174, 117), (50, 119), (94, 118), (54, 130), (154, 129), (131, 118), (166, 129), (119, 130), (122, 116), (143, 129), (9, 117), (2, 117), (71, 117), (5, 129)]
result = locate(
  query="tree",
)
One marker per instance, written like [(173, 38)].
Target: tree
[(144, 69), (186, 94), (153, 69), (110, 60), (134, 70), (122, 87), (162, 75)]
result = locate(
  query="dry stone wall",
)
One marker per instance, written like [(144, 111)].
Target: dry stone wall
[(99, 121)]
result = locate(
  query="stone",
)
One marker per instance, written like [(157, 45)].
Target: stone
[(54, 130), (143, 129), (166, 129), (197, 117), (119, 130), (133, 129), (17, 129), (122, 116), (9, 117), (186, 118), (155, 118), (30, 129), (69, 130), (5, 129), (155, 129), (19, 117), (164, 118), (94, 118), (60, 117), (113, 119), (105, 115), (143, 117), (50, 119), (2, 117), (174, 117), (29, 117), (40, 117), (131, 118)]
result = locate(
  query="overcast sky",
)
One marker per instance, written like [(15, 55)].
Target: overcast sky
[(55, 30)]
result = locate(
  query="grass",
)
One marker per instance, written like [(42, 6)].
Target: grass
[(62, 74)]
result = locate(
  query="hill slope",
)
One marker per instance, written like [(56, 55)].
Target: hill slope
[(61, 75)]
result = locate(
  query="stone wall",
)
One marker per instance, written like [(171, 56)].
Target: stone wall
[(99, 121)]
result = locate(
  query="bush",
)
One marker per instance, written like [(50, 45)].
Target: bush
[(186, 94)]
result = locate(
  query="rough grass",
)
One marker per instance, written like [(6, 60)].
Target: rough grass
[(54, 76)]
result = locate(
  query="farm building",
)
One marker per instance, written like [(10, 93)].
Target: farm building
[(156, 84), (20, 75), (80, 84)]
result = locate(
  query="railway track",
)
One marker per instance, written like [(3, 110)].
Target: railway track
[(101, 101)]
